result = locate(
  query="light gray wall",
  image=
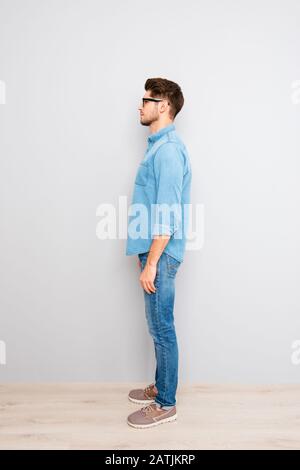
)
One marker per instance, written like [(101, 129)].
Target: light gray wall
[(71, 304)]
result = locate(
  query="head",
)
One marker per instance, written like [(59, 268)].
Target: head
[(162, 112)]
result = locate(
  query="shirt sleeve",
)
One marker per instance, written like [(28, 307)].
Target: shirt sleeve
[(168, 172)]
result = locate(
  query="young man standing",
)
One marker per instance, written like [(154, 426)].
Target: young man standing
[(161, 189)]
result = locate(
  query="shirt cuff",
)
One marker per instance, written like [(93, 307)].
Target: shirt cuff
[(161, 229)]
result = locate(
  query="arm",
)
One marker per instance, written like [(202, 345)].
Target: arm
[(157, 247), (149, 272)]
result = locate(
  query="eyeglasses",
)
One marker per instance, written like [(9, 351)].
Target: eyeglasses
[(151, 99)]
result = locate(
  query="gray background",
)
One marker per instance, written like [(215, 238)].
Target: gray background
[(71, 305)]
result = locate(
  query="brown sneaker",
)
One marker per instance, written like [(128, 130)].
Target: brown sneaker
[(143, 396), (151, 415)]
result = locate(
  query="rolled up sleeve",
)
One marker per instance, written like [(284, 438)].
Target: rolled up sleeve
[(168, 172)]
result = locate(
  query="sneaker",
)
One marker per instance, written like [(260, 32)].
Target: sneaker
[(143, 397), (151, 415)]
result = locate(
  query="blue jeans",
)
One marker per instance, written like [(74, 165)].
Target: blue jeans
[(159, 307)]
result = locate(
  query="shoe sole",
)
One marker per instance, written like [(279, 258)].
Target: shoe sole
[(140, 402), (155, 423)]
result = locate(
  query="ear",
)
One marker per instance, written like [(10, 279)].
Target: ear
[(164, 105)]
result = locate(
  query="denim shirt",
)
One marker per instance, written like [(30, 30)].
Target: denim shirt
[(161, 190)]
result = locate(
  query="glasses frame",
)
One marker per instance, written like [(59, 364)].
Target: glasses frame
[(156, 100)]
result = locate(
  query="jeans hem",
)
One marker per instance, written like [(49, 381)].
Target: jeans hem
[(164, 404)]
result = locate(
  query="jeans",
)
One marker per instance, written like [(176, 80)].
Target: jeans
[(159, 307)]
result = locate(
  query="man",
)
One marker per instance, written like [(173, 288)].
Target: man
[(162, 188)]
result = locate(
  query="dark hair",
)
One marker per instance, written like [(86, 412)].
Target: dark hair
[(163, 88)]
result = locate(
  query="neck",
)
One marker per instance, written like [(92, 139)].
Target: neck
[(156, 126)]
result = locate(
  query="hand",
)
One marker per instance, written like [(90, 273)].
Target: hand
[(147, 278)]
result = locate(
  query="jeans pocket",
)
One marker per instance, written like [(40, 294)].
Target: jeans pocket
[(142, 174), (172, 265)]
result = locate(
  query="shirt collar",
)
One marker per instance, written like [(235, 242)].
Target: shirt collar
[(157, 135)]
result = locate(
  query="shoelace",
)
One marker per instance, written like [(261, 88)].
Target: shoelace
[(147, 409), (148, 389)]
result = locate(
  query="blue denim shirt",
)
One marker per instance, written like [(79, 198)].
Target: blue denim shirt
[(161, 196)]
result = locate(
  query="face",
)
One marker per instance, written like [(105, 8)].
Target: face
[(151, 111)]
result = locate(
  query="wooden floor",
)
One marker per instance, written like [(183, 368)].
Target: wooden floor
[(93, 416)]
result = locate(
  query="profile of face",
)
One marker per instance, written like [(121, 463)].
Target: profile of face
[(151, 111)]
